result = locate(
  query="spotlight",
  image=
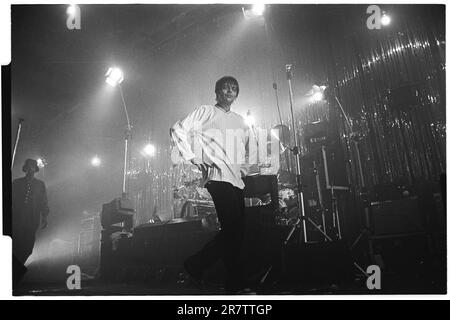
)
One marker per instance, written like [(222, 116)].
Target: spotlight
[(316, 97), (249, 119), (95, 161), (71, 10), (385, 19), (317, 93), (258, 9), (41, 162), (149, 150), (114, 76)]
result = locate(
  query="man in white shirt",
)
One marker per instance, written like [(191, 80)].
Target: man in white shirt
[(221, 143)]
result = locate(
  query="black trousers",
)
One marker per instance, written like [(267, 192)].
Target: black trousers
[(24, 230), (227, 244), (23, 234)]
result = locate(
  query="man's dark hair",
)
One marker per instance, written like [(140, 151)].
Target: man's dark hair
[(30, 163), (226, 79)]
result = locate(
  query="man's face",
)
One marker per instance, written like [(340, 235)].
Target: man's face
[(30, 170), (227, 94)]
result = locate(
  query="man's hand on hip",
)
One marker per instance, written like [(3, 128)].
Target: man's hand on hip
[(203, 167)]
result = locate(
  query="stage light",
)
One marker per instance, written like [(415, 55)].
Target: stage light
[(41, 162), (71, 10), (385, 20), (95, 161), (317, 93), (149, 150), (318, 96), (114, 76), (258, 9), (249, 119)]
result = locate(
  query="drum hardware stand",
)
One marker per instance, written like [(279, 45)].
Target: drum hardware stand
[(319, 194), (366, 230), (335, 213), (320, 228), (355, 138), (334, 202)]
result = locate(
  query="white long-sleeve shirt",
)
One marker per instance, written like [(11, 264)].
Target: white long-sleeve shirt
[(221, 139)]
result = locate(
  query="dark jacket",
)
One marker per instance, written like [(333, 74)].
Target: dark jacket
[(38, 206)]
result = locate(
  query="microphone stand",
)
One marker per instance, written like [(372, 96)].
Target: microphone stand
[(301, 217), (300, 200), (275, 87)]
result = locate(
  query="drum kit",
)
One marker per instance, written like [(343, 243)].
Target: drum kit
[(318, 186), (191, 190), (196, 202)]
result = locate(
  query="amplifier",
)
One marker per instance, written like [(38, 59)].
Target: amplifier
[(316, 134), (117, 211), (398, 216)]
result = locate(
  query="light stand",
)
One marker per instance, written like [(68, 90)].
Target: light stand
[(125, 204), (19, 127), (120, 209), (127, 140)]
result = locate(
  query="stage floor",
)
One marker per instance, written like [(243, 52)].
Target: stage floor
[(392, 284)]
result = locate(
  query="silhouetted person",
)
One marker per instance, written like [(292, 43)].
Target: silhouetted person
[(29, 211)]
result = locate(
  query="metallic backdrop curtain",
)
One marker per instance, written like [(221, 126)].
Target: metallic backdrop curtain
[(392, 84)]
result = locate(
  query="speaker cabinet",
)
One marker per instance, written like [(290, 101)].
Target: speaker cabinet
[(398, 216)]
